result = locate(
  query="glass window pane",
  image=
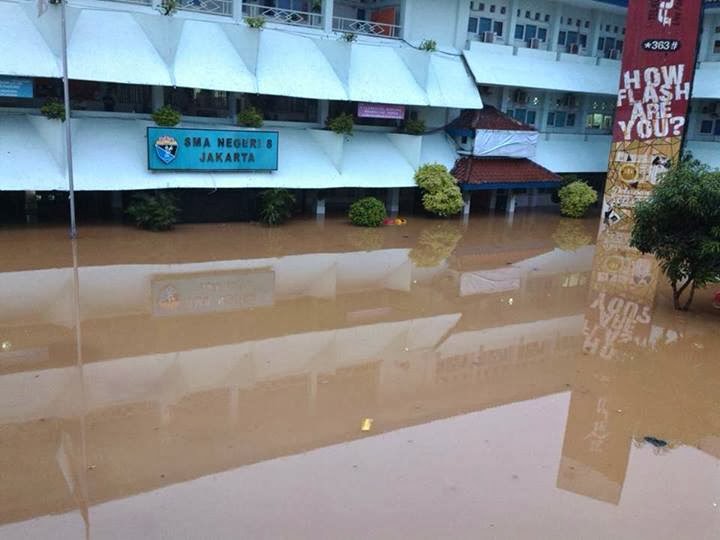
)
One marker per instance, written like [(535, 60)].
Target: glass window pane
[(530, 31), (583, 40), (472, 24), (570, 120), (498, 28), (520, 114), (485, 25), (551, 119), (706, 126), (572, 37), (562, 36), (520, 31), (542, 34), (530, 118), (560, 119)]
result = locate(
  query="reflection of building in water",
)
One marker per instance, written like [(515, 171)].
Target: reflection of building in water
[(347, 336)]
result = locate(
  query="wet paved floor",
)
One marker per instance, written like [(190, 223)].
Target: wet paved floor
[(217, 384)]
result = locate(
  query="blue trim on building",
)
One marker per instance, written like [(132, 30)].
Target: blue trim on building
[(508, 185)]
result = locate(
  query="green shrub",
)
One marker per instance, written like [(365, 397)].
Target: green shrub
[(415, 127), (250, 117), (441, 195), (255, 22), (168, 7), (166, 116), (429, 45), (342, 124), (367, 212), (576, 198), (276, 206), (348, 37), (53, 109), (154, 212), (444, 202)]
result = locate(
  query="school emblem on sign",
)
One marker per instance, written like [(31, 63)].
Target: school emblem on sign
[(166, 148)]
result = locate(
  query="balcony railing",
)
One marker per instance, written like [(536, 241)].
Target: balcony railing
[(139, 2), (212, 7), (283, 16), (356, 26)]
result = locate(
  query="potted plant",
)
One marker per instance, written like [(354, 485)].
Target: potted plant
[(166, 116), (53, 109), (342, 124), (250, 117)]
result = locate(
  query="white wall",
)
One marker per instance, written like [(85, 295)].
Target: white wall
[(433, 19)]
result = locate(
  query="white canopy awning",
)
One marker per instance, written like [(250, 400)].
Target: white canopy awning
[(23, 49)]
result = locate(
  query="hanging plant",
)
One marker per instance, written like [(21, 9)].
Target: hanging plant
[(429, 45), (255, 22), (166, 116), (250, 117), (168, 7), (414, 127), (53, 109), (342, 124)]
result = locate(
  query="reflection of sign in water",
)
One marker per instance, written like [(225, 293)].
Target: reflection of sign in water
[(180, 149), (212, 292)]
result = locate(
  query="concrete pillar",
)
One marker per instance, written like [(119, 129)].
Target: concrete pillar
[(493, 199), (232, 107), (323, 111), (320, 206), (512, 21), (554, 27), (393, 202), (511, 202), (116, 204), (461, 24), (534, 196), (467, 195), (158, 97), (327, 14), (237, 11), (546, 107), (708, 31), (597, 19), (405, 16), (31, 207)]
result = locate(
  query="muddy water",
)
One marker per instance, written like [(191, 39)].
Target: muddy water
[(212, 383)]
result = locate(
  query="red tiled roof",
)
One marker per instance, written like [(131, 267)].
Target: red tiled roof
[(501, 170), (488, 118)]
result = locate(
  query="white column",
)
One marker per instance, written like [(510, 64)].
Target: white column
[(546, 106), (232, 106), (511, 202), (323, 111), (393, 202), (493, 199), (237, 11), (327, 13), (405, 15), (512, 21), (595, 34), (466, 206), (320, 206), (708, 32), (554, 27), (158, 97)]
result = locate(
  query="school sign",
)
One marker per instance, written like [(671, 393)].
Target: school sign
[(211, 150)]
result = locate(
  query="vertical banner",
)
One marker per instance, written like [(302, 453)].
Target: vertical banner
[(658, 67)]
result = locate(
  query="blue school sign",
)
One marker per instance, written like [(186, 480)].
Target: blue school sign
[(181, 149), (16, 87)]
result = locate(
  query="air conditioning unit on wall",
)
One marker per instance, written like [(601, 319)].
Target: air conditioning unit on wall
[(487, 37), (534, 43), (573, 48)]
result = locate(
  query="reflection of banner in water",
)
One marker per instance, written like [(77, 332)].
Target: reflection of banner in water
[(212, 292)]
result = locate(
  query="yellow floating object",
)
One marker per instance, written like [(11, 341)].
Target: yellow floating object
[(366, 424)]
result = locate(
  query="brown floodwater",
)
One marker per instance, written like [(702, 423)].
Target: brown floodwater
[(517, 380)]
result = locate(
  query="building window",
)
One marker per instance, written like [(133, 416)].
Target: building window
[(551, 119), (492, 8), (547, 17), (706, 126), (530, 31), (616, 29), (607, 27), (485, 25), (716, 46), (528, 15), (587, 24), (482, 7), (569, 21), (562, 37), (284, 109), (473, 25), (195, 102), (542, 34), (530, 118), (519, 31), (111, 97), (570, 120), (498, 28), (503, 10), (598, 121), (537, 16)]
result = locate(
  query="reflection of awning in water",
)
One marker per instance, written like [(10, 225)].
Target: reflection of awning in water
[(475, 173), (490, 281)]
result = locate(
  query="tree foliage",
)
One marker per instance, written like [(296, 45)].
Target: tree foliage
[(441, 194), (680, 225), (576, 198)]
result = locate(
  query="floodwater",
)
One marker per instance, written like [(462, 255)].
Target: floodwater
[(212, 382)]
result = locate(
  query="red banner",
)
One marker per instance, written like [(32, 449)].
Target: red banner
[(657, 71)]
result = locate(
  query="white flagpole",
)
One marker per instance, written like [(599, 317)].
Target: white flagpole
[(68, 135)]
